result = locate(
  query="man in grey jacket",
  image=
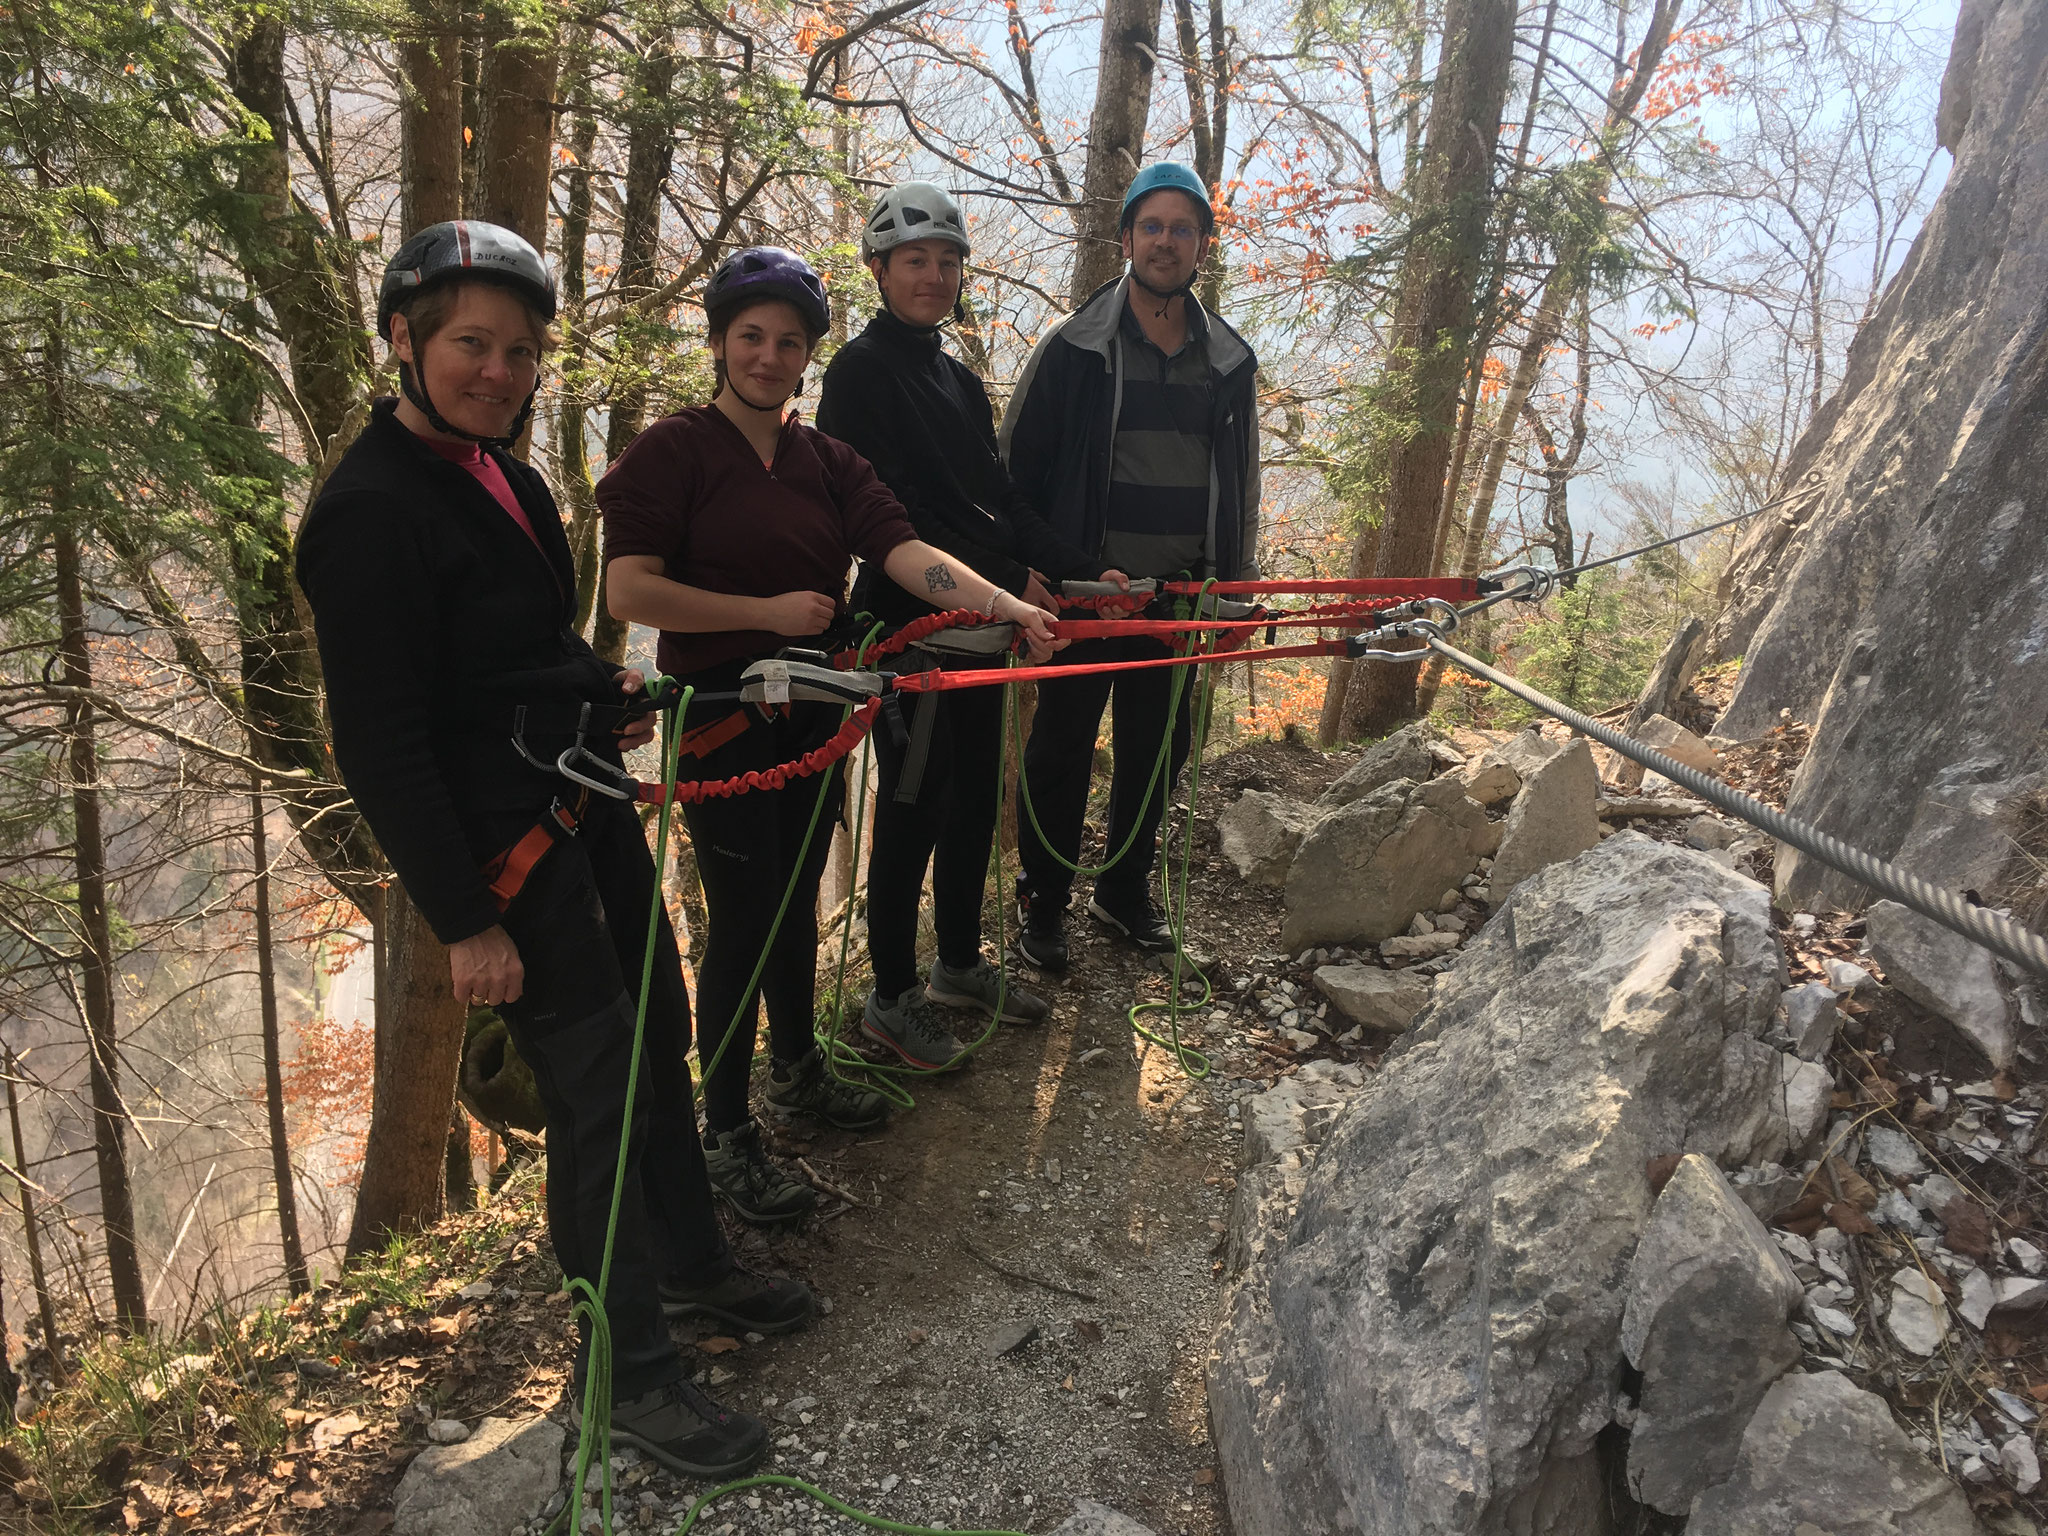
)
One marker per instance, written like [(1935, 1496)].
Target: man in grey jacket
[(1134, 431)]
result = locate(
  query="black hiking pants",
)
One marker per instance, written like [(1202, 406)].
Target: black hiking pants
[(948, 824), (1060, 760), (580, 924)]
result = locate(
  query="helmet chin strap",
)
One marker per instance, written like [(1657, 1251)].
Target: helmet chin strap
[(416, 391), (766, 410), (1165, 296)]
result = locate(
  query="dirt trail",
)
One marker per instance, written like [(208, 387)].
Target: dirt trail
[(1072, 1179)]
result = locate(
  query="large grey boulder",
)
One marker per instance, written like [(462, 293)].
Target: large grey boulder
[(1822, 1457), (1944, 972), (1404, 755), (495, 1481), (1435, 1344), (1365, 870), (1497, 773), (1268, 1455), (1705, 1320), (1677, 743), (1556, 816), (1376, 998), (1260, 833), (1893, 602)]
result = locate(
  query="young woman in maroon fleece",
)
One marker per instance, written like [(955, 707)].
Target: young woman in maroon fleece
[(731, 528)]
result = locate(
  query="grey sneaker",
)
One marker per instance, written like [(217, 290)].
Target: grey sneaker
[(746, 1178), (978, 986), (907, 1026), (686, 1431)]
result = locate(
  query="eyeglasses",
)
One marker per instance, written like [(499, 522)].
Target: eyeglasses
[(1152, 229)]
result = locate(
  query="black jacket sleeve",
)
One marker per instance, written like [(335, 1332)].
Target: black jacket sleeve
[(362, 572), (1031, 427), (1035, 542), (860, 405)]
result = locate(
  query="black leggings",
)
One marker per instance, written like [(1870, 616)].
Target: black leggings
[(949, 824), (580, 925), (746, 848)]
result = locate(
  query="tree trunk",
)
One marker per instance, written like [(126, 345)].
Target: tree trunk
[(1330, 727), (572, 421), (96, 959), (1430, 339), (517, 132), (418, 1048), (1116, 139), (10, 1384), (1208, 86), (288, 260), (273, 1068), (31, 1232), (461, 1177), (650, 151), (430, 122)]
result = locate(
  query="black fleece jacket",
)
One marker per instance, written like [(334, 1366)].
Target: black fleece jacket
[(436, 618), (923, 420)]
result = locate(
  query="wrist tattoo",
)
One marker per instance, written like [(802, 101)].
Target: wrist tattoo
[(937, 578)]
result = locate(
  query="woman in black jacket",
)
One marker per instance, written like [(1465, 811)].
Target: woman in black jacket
[(924, 421), (443, 597)]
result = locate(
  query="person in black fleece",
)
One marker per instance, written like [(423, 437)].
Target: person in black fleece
[(443, 599), (924, 421)]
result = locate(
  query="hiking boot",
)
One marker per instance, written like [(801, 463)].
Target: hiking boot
[(1043, 938), (686, 1431), (805, 1087), (741, 1299), (1144, 925), (908, 1027), (746, 1179), (978, 986)]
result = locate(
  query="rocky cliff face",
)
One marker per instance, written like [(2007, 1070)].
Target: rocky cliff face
[(1898, 602)]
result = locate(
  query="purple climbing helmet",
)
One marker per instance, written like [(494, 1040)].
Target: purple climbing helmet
[(769, 272)]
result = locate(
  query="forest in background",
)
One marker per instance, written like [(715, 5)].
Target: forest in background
[(1526, 281)]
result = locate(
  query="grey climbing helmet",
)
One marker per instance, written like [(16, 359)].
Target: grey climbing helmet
[(913, 210)]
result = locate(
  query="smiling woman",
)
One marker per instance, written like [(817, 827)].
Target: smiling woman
[(444, 598), (730, 528)]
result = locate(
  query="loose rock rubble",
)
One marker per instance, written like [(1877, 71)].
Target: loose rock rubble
[(1866, 1224)]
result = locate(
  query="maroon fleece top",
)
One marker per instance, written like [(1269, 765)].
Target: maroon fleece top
[(692, 492)]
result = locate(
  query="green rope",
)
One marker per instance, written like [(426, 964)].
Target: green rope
[(1191, 1061), (586, 1301), (1094, 871)]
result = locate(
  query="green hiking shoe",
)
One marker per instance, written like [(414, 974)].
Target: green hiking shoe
[(805, 1087), (907, 1026), (979, 986), (747, 1179)]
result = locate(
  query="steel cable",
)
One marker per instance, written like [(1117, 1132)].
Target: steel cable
[(1980, 925)]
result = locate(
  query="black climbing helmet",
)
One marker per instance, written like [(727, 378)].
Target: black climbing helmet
[(464, 248), (460, 248), (768, 272)]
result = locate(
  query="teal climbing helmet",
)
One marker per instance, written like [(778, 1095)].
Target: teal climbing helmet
[(1167, 176)]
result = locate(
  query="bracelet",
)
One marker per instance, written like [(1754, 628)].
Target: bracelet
[(989, 611)]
